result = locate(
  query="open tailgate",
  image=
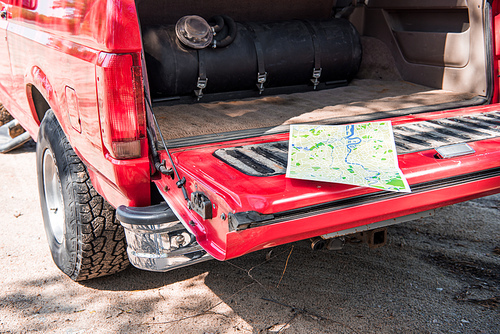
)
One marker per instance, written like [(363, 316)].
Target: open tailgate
[(240, 200)]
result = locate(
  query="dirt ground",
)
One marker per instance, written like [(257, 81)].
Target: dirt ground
[(437, 275)]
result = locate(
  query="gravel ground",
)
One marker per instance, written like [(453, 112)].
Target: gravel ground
[(436, 275)]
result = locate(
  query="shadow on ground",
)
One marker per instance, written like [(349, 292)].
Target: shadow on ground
[(436, 275)]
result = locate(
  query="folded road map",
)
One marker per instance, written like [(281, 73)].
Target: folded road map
[(361, 154)]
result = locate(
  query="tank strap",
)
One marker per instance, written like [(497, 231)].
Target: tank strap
[(317, 53), (261, 66), (201, 84)]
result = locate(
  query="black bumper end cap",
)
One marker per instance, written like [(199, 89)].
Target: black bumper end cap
[(148, 215)]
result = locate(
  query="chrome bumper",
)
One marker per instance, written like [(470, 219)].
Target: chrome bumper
[(157, 240)]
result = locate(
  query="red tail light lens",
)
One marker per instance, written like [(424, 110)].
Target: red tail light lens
[(121, 105)]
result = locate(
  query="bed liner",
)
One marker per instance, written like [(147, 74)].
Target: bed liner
[(361, 97)]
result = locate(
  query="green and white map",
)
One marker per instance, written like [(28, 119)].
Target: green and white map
[(358, 154)]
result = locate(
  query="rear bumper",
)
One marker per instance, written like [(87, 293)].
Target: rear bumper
[(157, 241), (153, 232)]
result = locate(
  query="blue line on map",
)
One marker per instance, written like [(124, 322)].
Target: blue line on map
[(352, 142)]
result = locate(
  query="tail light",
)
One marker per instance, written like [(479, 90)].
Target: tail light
[(121, 104)]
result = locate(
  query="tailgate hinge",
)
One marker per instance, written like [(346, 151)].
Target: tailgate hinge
[(243, 220)]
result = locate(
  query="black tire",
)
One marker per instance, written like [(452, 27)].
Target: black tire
[(85, 239)]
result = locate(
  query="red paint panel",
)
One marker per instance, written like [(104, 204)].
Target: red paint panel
[(232, 191), (127, 184), (239, 243), (55, 46)]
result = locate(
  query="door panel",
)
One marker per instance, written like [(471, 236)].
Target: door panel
[(441, 44)]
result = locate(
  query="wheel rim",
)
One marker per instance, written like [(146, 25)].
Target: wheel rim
[(53, 196)]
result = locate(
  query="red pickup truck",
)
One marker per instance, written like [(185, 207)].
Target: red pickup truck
[(162, 127)]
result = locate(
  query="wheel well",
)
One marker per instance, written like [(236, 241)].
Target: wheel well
[(41, 105)]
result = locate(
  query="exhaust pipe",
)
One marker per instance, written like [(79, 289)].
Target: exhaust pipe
[(373, 238), (318, 243)]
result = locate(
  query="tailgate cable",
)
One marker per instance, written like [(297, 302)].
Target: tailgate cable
[(161, 165)]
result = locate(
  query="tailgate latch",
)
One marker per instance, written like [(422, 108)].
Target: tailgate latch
[(201, 205)]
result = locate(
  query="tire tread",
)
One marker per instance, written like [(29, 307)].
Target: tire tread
[(100, 238)]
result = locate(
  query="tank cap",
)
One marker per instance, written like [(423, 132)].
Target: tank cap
[(194, 31)]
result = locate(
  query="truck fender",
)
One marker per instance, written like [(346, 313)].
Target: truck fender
[(36, 78)]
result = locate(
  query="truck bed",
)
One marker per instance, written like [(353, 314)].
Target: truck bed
[(361, 97), (398, 75)]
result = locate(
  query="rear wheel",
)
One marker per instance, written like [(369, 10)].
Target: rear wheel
[(85, 239)]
